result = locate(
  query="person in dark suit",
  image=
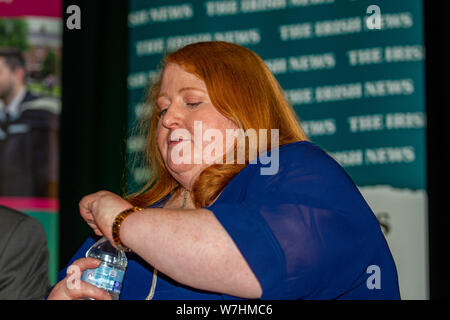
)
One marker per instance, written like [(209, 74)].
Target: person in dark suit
[(28, 134), (23, 257)]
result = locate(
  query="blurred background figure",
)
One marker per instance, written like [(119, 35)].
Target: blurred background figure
[(23, 257), (30, 106), (28, 133)]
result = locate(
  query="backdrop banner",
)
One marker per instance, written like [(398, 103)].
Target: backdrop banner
[(354, 73), (29, 138)]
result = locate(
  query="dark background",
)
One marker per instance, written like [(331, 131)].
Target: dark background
[(437, 73), (93, 119), (93, 122)]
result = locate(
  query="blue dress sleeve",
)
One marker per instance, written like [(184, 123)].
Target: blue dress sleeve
[(306, 232)]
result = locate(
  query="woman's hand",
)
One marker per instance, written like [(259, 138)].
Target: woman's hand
[(100, 209), (72, 288)]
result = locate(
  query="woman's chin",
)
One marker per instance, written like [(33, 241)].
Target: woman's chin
[(179, 168), (185, 173)]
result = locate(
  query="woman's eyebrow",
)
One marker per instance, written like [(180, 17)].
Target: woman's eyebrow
[(163, 94), (190, 88)]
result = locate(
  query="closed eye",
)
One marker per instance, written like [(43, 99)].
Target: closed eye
[(193, 104), (190, 105)]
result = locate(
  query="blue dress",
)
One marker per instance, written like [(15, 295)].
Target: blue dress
[(306, 232)]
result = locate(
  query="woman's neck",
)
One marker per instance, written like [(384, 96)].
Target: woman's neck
[(180, 199)]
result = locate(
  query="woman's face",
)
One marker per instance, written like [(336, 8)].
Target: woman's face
[(191, 132)]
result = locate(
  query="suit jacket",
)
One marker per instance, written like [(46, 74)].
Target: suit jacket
[(23, 257), (29, 149)]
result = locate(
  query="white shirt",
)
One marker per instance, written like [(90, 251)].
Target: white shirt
[(14, 112), (13, 107)]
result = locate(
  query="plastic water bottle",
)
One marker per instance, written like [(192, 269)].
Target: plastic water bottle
[(109, 275)]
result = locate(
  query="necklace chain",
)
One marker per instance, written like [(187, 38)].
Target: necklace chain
[(184, 199), (151, 294)]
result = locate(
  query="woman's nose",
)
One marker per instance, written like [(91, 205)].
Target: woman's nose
[(173, 118)]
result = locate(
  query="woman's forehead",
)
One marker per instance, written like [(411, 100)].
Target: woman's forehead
[(177, 78)]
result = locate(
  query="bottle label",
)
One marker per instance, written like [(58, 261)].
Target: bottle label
[(105, 277)]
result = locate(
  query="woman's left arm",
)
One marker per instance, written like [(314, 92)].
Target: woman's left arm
[(188, 245)]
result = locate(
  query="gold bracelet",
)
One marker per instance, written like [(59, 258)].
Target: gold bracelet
[(118, 222)]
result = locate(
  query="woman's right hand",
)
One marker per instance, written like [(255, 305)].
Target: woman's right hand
[(72, 288)]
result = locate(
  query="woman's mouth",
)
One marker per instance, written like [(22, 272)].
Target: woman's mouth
[(173, 142)]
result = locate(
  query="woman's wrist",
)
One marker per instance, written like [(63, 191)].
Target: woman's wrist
[(117, 224)]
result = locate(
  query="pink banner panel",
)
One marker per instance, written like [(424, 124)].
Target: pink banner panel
[(24, 8), (30, 203)]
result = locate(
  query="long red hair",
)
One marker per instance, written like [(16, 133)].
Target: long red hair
[(243, 89)]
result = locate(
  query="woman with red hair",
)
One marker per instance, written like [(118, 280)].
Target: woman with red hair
[(211, 223)]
